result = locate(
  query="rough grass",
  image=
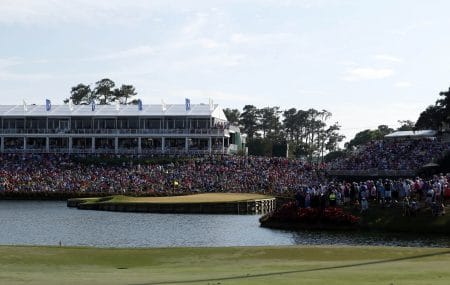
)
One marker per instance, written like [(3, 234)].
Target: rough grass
[(197, 198), (236, 265)]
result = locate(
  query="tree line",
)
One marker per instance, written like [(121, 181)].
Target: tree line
[(304, 133), (436, 116), (103, 93)]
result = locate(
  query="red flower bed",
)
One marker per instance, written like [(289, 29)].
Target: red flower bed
[(331, 215)]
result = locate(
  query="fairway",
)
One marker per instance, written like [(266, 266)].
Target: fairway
[(234, 265)]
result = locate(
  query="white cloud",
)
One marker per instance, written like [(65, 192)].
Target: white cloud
[(200, 96), (367, 73), (10, 76), (387, 57), (127, 53), (84, 12), (209, 61), (262, 39), (403, 84), (7, 75), (196, 25), (7, 62)]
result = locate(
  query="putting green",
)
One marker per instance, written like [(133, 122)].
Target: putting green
[(234, 265), (197, 198)]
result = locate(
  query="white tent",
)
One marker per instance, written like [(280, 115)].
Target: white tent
[(412, 134)]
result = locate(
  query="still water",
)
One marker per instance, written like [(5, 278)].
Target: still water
[(48, 223)]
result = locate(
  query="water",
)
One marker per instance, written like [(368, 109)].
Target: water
[(48, 223)]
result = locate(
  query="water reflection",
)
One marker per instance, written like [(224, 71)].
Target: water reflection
[(47, 223)]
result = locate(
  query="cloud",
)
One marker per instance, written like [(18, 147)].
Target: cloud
[(8, 62), (403, 84), (195, 26), (262, 39), (199, 95), (126, 53), (387, 57), (209, 61), (7, 75), (367, 73), (84, 12), (10, 76)]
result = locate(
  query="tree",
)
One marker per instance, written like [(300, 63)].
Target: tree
[(406, 125), (333, 138), (435, 116), (444, 104), (333, 155), (104, 91), (232, 116), (384, 130), (270, 121), (124, 93), (366, 136), (289, 123), (431, 118), (249, 119), (80, 95)]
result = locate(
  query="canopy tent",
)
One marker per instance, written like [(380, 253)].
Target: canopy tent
[(411, 134)]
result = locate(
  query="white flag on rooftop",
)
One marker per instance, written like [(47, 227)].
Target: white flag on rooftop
[(211, 104)]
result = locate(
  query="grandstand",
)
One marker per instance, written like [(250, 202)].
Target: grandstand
[(119, 129), (399, 154)]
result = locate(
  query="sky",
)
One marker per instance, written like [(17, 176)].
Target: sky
[(367, 62)]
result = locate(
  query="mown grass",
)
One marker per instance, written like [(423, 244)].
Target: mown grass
[(234, 265), (197, 198)]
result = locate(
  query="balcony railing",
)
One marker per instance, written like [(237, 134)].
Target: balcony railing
[(118, 131), (128, 151)]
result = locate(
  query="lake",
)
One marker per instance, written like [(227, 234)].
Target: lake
[(50, 222)]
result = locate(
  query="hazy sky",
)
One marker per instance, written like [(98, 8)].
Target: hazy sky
[(367, 62)]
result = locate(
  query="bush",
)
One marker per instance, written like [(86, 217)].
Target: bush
[(327, 216)]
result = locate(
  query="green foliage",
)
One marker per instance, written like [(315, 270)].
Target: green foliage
[(366, 136), (435, 116), (431, 118), (102, 94), (299, 149), (249, 119), (267, 147), (259, 147), (306, 131), (406, 125), (124, 93), (270, 121), (104, 91), (232, 116), (80, 95), (334, 155)]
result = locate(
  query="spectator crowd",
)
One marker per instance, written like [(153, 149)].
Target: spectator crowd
[(34, 173), (276, 176), (392, 155)]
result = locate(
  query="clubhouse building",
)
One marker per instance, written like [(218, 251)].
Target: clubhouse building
[(117, 129)]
